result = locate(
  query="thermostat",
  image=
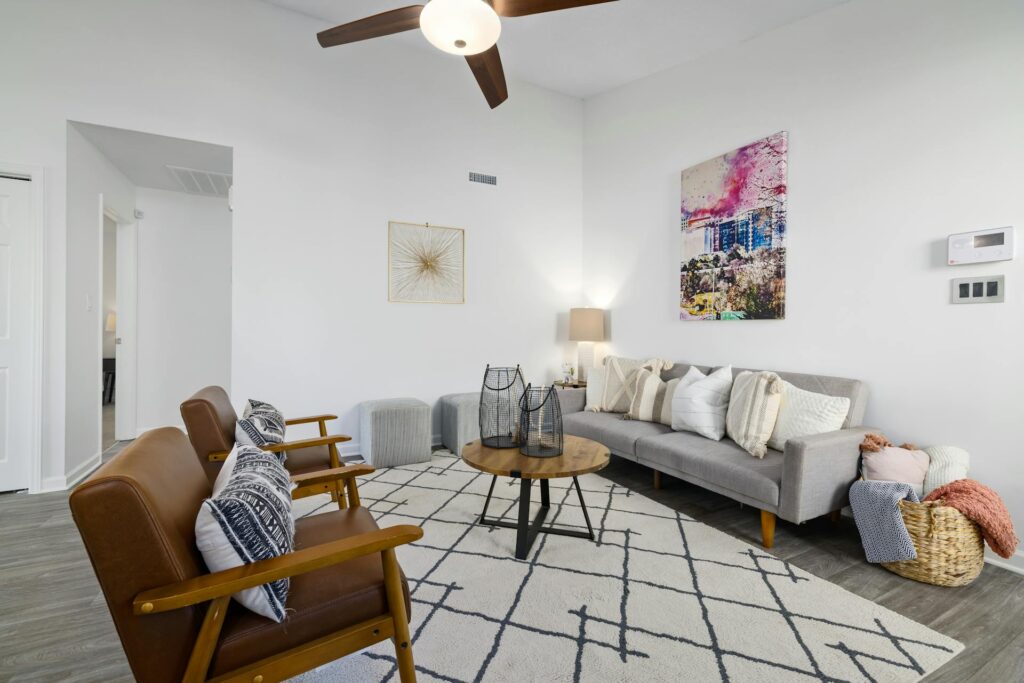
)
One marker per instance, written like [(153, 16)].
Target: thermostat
[(981, 246)]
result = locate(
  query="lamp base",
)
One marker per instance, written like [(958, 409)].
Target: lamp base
[(585, 359)]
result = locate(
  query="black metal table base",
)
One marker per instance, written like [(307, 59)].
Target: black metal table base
[(527, 530)]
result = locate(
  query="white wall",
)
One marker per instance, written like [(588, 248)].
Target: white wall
[(329, 145), (905, 124), (109, 283), (92, 184), (184, 301)]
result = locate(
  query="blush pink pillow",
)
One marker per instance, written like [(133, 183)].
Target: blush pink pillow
[(897, 464)]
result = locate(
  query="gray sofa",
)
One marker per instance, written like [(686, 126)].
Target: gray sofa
[(810, 479)]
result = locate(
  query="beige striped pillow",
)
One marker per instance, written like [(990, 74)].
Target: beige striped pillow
[(652, 398), (753, 410)]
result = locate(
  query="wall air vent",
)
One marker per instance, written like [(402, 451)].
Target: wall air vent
[(482, 178), (206, 183)]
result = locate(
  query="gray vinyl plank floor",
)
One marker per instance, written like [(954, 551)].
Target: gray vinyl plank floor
[(54, 625)]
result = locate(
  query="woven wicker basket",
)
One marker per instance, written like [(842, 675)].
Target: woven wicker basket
[(950, 549)]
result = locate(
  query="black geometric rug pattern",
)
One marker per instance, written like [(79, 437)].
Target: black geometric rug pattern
[(658, 597)]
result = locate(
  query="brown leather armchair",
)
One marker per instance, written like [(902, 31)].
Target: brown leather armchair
[(176, 621), (210, 421)]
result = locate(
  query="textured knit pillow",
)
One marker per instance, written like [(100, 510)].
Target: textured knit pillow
[(945, 464), (595, 389), (261, 424), (652, 398), (805, 413), (620, 380), (250, 519), (753, 410), (896, 464), (701, 402)]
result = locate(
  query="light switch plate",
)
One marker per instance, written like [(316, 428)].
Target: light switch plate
[(990, 289)]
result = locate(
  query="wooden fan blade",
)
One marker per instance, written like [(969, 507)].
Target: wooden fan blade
[(383, 24), (490, 75), (521, 8)]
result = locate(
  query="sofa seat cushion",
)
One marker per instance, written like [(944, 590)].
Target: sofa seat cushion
[(722, 463), (619, 435), (319, 603)]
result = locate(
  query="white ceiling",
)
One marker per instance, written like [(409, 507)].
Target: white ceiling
[(144, 157), (589, 50)]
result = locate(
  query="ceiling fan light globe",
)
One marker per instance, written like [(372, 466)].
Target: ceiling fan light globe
[(460, 27)]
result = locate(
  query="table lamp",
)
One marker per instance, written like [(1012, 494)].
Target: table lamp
[(586, 326)]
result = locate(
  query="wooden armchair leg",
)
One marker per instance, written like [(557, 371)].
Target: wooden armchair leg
[(206, 643), (767, 528), (338, 494), (396, 603)]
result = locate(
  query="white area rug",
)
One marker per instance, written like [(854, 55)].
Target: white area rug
[(658, 597)]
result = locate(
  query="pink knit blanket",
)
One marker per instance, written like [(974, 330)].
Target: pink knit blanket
[(983, 506)]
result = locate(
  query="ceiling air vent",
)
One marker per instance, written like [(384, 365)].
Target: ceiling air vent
[(206, 183), (482, 178)]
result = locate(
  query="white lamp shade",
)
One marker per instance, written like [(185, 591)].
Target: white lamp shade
[(460, 27), (586, 324)]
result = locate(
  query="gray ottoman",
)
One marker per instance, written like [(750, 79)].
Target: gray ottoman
[(460, 420), (394, 431)]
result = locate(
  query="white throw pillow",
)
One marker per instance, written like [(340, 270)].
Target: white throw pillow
[(753, 410), (946, 464), (805, 413), (249, 519), (261, 424), (700, 402), (595, 389)]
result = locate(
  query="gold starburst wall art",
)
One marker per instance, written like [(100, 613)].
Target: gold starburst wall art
[(426, 264)]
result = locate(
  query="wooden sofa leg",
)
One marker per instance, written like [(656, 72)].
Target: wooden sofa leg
[(835, 516), (767, 528), (657, 479), (396, 603)]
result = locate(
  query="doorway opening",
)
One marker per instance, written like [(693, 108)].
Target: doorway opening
[(149, 284), (109, 309)]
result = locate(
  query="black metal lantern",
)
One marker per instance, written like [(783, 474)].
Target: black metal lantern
[(540, 423), (499, 407)]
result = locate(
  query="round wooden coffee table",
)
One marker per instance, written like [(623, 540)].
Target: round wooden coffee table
[(579, 456)]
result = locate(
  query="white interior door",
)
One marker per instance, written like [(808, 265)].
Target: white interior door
[(16, 396), (125, 345)]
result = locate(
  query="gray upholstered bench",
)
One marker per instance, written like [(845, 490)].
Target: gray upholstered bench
[(394, 431), (460, 420)]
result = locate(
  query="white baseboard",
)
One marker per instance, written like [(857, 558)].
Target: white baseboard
[(76, 475), (1015, 564)]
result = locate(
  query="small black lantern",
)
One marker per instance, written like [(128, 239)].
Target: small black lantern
[(540, 423), (499, 407)]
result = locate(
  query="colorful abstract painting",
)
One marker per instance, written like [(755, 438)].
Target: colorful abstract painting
[(733, 264)]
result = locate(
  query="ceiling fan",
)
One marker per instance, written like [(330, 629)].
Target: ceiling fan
[(459, 27)]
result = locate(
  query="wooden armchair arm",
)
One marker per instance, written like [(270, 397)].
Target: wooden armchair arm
[(230, 581), (334, 474), (310, 418), (306, 443)]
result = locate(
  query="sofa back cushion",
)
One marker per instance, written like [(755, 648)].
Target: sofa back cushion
[(853, 389)]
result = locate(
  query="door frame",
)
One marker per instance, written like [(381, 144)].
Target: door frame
[(36, 175), (125, 384)]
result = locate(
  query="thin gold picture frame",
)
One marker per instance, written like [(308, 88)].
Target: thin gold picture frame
[(462, 265)]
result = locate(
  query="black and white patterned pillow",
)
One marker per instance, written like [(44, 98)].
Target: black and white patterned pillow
[(254, 406), (261, 424), (248, 519)]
